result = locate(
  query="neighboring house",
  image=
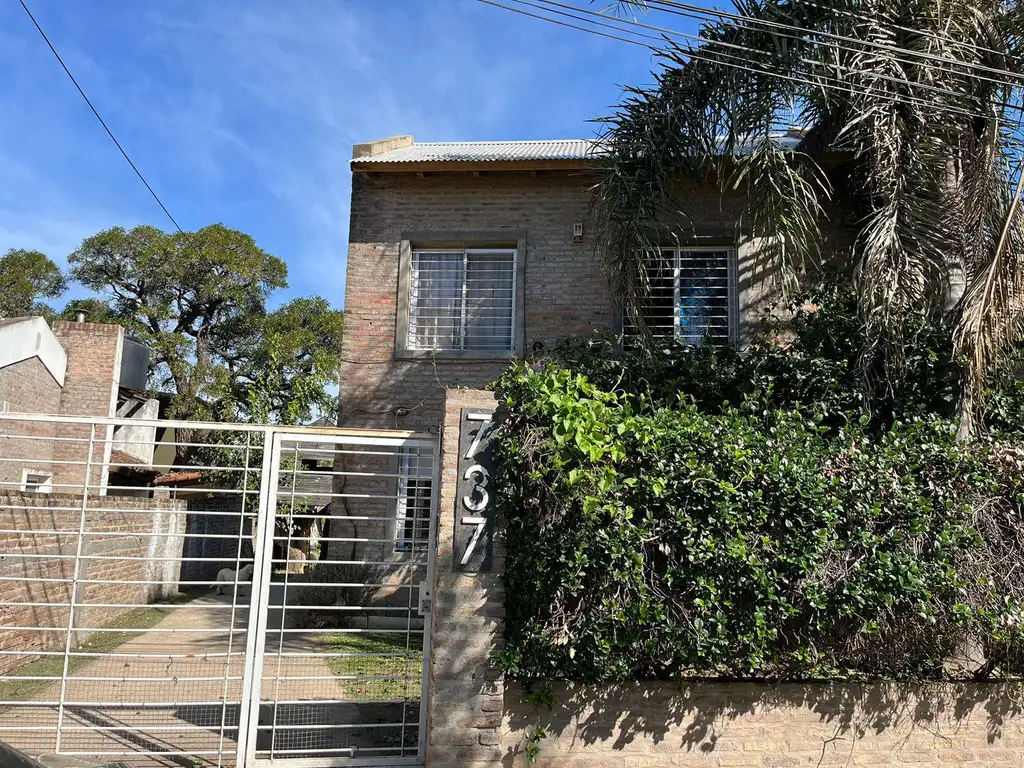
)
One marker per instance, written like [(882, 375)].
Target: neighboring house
[(465, 255), (74, 369)]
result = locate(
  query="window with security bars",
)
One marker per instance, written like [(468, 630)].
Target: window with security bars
[(415, 487), (693, 297), (463, 300)]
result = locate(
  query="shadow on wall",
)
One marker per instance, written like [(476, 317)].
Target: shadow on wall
[(705, 717), (408, 394)]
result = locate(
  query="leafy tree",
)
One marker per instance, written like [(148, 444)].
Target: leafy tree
[(919, 95), (95, 311), (199, 300), (25, 278), (285, 372)]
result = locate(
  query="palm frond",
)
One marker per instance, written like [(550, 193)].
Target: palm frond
[(921, 121), (785, 191), (991, 316)]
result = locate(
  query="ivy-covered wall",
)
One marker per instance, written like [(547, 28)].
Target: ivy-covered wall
[(477, 718), (695, 513)]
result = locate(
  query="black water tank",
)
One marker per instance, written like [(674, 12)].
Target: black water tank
[(134, 364)]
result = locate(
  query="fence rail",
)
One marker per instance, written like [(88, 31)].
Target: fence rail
[(184, 592)]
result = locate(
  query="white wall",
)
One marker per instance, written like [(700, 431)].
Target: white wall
[(27, 337)]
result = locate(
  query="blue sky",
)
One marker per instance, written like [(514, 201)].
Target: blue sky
[(245, 112)]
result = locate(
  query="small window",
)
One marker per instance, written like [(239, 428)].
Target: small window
[(463, 300), (415, 494), (693, 297), (36, 482)]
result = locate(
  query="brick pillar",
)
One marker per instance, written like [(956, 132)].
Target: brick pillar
[(464, 700), (91, 385)]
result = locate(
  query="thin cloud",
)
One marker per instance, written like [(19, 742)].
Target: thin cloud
[(245, 112)]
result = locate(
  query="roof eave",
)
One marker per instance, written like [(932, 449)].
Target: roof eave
[(830, 158), (472, 166)]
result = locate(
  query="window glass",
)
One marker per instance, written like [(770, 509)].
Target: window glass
[(415, 486), (463, 300), (692, 296)]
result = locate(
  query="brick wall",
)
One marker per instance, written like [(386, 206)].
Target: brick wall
[(566, 291), (28, 387), (465, 697), (215, 517), (116, 527), (90, 389), (94, 367), (658, 725)]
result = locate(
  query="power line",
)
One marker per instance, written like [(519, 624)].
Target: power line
[(901, 28), (846, 48), (745, 49), (106, 127), (694, 11), (821, 82), (571, 26)]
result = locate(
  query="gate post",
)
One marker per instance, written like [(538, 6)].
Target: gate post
[(465, 695)]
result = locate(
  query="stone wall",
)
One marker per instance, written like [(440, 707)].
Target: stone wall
[(115, 528), (476, 719)]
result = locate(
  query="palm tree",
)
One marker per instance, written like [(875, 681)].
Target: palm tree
[(919, 97)]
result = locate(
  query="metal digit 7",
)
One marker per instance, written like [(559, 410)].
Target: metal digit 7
[(480, 431), (479, 522)]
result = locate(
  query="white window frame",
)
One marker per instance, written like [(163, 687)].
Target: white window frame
[(44, 487), (732, 284), (420, 539), (466, 253)]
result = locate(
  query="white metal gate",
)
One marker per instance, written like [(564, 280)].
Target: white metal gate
[(181, 594)]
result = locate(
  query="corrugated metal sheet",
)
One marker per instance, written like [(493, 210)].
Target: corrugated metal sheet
[(485, 151), (510, 151)]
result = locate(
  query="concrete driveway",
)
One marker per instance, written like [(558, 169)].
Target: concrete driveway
[(174, 689)]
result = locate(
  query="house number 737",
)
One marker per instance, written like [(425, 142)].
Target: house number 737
[(477, 500)]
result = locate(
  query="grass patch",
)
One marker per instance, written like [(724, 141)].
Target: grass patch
[(134, 623), (404, 664)]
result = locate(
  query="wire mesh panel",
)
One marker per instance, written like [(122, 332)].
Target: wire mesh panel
[(342, 638), (123, 607)]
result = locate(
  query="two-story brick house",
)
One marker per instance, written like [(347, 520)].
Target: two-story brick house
[(464, 255)]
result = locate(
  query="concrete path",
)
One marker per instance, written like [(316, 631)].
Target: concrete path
[(173, 689)]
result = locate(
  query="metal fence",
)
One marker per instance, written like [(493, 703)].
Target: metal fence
[(258, 597)]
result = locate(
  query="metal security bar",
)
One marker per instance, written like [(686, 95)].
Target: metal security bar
[(463, 299), (693, 296), (342, 643), (254, 597)]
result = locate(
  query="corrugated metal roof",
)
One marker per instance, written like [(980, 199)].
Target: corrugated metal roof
[(485, 151), (517, 151)]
